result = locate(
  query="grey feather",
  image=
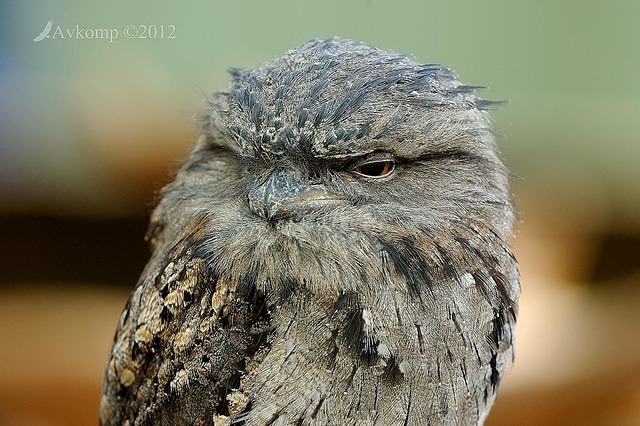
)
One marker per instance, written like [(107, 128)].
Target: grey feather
[(332, 252)]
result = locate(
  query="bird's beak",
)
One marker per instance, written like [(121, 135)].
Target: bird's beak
[(284, 194)]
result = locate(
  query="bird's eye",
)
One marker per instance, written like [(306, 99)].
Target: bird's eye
[(376, 169)]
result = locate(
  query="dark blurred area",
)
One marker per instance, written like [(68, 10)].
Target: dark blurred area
[(105, 251), (92, 126)]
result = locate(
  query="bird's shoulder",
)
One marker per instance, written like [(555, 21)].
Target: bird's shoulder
[(182, 340)]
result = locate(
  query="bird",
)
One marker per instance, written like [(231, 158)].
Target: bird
[(333, 251), (45, 32)]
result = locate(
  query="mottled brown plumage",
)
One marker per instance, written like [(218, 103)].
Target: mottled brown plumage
[(332, 252)]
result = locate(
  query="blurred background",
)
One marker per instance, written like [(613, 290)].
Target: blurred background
[(93, 123)]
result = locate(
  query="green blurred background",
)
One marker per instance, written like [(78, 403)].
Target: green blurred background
[(90, 129)]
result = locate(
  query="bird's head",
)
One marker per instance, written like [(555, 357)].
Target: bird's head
[(325, 166)]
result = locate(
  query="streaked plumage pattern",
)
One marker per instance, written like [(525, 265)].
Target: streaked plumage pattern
[(332, 252)]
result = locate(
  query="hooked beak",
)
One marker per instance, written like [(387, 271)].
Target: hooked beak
[(283, 194)]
